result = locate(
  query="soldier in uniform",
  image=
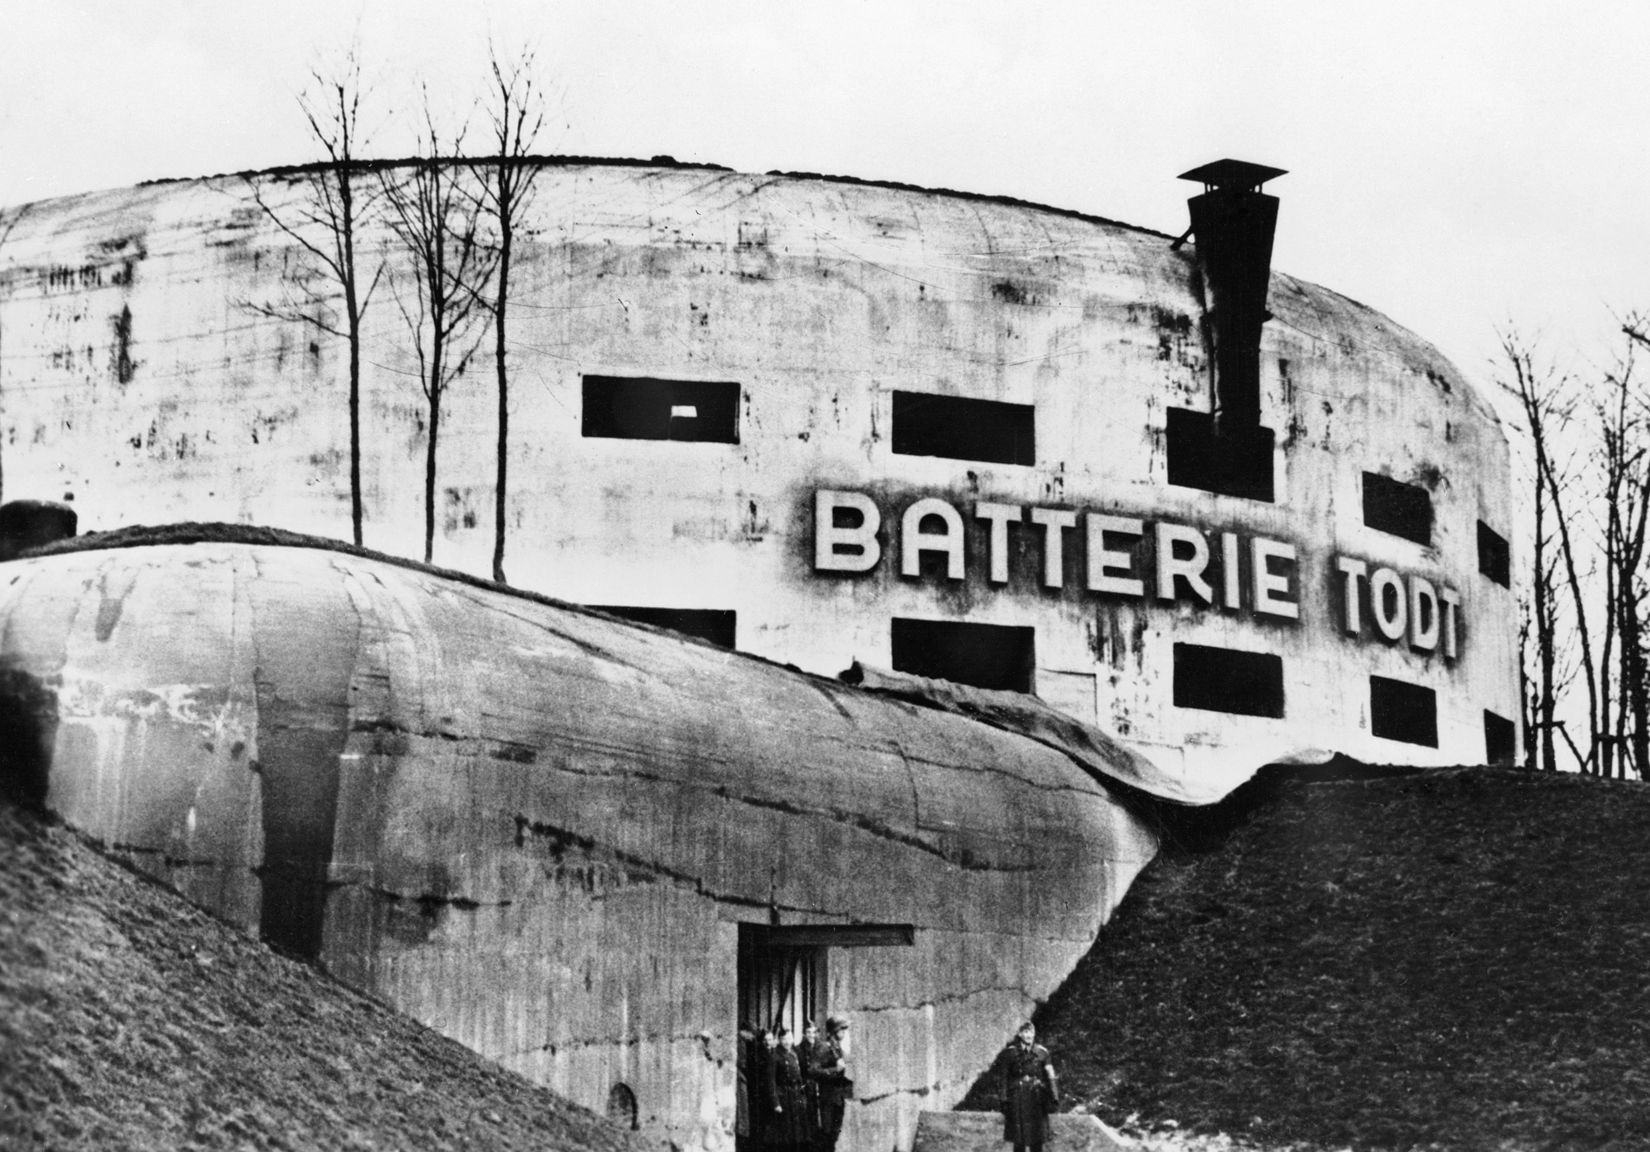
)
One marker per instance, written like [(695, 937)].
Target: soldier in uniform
[(1030, 1091), (744, 1058), (762, 1118), (789, 1116), (809, 1053), (829, 1070)]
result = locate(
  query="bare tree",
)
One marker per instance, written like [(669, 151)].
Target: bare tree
[(1616, 452), (436, 219), (516, 112), (326, 223), (1590, 499), (5, 235), (1626, 453), (1547, 402)]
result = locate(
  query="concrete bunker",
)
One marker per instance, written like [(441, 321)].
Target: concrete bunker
[(431, 786), (584, 848)]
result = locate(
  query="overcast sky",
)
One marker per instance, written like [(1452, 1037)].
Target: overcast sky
[(1457, 165)]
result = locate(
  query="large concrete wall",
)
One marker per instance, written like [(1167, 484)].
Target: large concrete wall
[(538, 830), (137, 375)]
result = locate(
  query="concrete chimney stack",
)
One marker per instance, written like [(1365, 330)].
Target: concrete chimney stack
[(1233, 222)]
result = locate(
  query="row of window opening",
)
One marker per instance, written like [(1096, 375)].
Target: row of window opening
[(1234, 462), (1207, 678), (1251, 684)]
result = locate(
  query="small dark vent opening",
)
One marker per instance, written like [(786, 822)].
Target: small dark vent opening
[(1500, 740), (1400, 711), (1401, 509), (715, 625), (958, 429), (643, 408), (621, 1107), (984, 655), (1494, 556), (1238, 462), (1226, 680)]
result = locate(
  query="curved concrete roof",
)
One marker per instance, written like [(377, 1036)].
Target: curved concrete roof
[(1314, 309)]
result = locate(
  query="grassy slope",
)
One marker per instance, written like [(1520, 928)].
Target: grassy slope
[(130, 1019), (1455, 960)]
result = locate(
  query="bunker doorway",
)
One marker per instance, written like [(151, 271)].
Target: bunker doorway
[(784, 981), (780, 985), (784, 972)]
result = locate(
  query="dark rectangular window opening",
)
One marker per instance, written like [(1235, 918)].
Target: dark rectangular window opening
[(1401, 509), (984, 655), (1400, 711), (643, 408), (1237, 462), (1500, 740), (1227, 680), (715, 625), (1494, 556), (959, 429)]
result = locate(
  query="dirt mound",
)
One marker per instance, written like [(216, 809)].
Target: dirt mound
[(130, 1019), (1453, 960)]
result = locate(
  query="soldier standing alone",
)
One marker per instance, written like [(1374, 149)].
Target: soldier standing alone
[(1030, 1091)]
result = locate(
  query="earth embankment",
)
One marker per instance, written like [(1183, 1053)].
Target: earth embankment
[(130, 1019), (1454, 960)]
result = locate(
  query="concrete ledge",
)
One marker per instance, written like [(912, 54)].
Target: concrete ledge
[(983, 1132)]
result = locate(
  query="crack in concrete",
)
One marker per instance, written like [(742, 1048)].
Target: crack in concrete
[(863, 822), (876, 828), (166, 857), (589, 648), (994, 770), (925, 1090), (377, 726), (513, 751), (954, 998), (561, 839), (425, 900), (825, 689), (577, 1044)]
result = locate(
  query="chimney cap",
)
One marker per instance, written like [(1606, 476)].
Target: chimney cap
[(1233, 175)]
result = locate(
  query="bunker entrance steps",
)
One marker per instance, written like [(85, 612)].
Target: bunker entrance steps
[(983, 1132)]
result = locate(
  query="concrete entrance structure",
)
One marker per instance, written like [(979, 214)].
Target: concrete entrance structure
[(546, 833)]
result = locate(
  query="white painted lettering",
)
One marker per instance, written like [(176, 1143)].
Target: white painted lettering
[(1190, 568), (1230, 550), (1390, 611), (914, 541), (1353, 570), (1108, 570), (852, 549), (1272, 588), (999, 516), (1258, 575), (1054, 522), (1452, 601), (1423, 615)]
